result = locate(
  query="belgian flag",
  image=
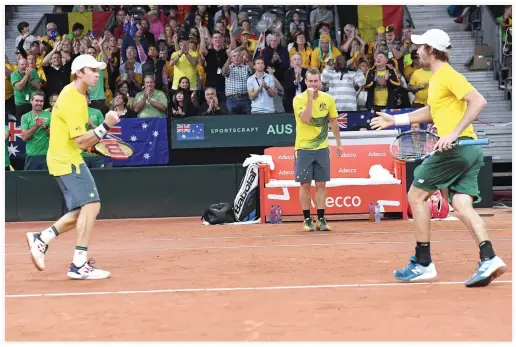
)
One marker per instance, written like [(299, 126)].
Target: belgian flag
[(367, 18), (94, 21)]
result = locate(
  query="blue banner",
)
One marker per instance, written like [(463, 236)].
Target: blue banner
[(147, 136)]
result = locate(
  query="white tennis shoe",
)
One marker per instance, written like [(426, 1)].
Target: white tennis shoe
[(87, 272), (37, 249)]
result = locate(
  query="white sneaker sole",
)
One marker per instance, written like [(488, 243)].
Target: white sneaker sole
[(38, 261), (100, 276)]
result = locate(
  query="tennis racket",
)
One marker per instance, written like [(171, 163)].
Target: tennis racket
[(411, 146), (113, 148)]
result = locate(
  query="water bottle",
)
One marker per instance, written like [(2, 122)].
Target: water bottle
[(279, 217), (371, 212), (273, 215), (377, 215)]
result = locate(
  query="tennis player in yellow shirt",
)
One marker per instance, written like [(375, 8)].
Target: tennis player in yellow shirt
[(452, 105), (315, 111), (68, 138)]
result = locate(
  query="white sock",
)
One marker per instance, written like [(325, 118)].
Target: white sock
[(48, 234), (80, 256)]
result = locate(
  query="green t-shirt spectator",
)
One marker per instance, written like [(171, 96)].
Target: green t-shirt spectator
[(23, 96), (148, 110), (38, 143), (503, 22), (97, 92), (96, 118), (7, 159)]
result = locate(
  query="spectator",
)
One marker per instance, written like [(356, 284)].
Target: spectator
[(152, 65), (150, 102), (280, 92), (24, 29), (246, 26), (380, 83), (52, 99), (155, 26), (319, 15), (294, 82), (58, 75), (216, 56), (131, 61), (395, 49), (418, 85), (118, 28), (76, 33), (97, 93), (147, 34), (185, 64), (408, 46), (296, 25), (25, 82), (123, 88), (323, 53), (212, 106), (10, 106), (182, 105), (204, 33), (323, 29), (95, 118), (52, 35), (355, 47), (226, 13), (204, 16), (236, 73), (35, 126), (130, 41), (416, 64), (120, 105), (303, 48), (342, 83), (277, 57), (363, 67), (245, 42), (221, 28), (261, 89), (133, 78)]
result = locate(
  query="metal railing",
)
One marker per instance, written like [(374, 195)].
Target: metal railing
[(491, 35)]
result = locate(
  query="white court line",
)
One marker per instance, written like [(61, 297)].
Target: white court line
[(240, 289), (262, 246), (272, 236)]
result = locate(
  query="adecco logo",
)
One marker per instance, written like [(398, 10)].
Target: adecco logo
[(286, 173), (376, 154), (348, 155), (344, 170), (285, 157), (343, 201)]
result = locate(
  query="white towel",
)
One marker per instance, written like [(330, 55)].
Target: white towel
[(259, 159)]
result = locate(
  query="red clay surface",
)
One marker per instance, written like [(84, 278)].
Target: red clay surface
[(175, 254)]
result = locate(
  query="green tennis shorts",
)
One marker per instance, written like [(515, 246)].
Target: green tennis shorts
[(456, 169)]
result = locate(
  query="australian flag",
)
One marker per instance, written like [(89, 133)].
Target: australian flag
[(15, 146), (189, 132), (149, 139)]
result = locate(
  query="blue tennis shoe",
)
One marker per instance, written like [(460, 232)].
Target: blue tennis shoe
[(415, 271), (487, 271)]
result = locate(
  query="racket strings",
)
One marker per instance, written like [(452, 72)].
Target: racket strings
[(413, 145)]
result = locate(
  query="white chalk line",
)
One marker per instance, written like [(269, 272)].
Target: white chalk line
[(271, 236), (337, 244), (241, 289)]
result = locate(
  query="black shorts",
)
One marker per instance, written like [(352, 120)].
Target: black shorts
[(78, 189), (312, 165), (37, 162)]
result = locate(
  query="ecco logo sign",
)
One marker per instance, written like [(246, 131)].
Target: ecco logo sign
[(286, 157), (343, 201), (285, 172), (343, 170)]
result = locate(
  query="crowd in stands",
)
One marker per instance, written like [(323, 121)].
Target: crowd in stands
[(187, 60)]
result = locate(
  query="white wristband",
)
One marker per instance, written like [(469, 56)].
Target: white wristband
[(402, 119), (101, 131)]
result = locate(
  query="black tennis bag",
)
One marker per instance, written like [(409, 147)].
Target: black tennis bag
[(219, 214), (246, 204)]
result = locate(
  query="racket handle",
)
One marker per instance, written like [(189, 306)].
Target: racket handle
[(478, 142)]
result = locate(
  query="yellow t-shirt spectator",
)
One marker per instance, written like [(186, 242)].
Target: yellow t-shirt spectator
[(183, 68), (306, 54), (315, 59), (381, 93), (420, 77)]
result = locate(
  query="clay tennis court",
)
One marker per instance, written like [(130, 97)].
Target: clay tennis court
[(174, 279)]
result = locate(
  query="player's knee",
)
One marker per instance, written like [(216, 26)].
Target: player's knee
[(320, 185), (462, 204), (92, 209), (417, 196)]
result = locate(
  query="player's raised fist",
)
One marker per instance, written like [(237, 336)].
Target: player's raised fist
[(112, 118)]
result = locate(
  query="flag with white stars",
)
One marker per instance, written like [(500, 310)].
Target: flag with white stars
[(15, 144), (149, 139)]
